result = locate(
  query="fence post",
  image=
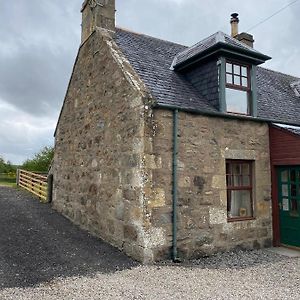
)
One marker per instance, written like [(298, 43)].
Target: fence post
[(49, 188), (18, 177)]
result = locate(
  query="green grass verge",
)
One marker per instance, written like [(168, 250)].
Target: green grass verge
[(7, 184), (7, 180)]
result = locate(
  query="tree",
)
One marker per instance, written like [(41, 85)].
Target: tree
[(41, 160), (6, 167)]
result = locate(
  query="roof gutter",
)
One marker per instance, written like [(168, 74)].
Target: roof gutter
[(222, 115)]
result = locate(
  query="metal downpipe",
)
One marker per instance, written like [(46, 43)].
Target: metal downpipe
[(174, 186)]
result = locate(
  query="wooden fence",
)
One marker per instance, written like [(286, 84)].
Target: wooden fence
[(35, 183)]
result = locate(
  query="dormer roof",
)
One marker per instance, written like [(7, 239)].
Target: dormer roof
[(218, 43)]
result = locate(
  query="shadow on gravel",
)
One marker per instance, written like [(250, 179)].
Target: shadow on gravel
[(37, 244), (241, 259)]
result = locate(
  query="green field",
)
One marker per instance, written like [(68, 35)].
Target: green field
[(8, 180)]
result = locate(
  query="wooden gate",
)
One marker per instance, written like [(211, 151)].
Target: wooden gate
[(35, 183)]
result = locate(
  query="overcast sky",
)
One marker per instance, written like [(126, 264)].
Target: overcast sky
[(39, 40)]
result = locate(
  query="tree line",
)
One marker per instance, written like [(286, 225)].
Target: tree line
[(40, 162), (6, 166)]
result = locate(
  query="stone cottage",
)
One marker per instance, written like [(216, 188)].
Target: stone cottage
[(163, 150)]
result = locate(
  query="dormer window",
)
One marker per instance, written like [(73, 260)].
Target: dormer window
[(238, 88)]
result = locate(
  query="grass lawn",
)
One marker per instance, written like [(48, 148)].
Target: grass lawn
[(7, 180)]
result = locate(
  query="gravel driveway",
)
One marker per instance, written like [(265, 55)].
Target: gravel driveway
[(68, 264), (37, 244)]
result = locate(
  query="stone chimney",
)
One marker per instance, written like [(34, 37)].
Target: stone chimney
[(97, 13), (243, 37)]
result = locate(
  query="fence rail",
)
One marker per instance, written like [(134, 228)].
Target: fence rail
[(34, 183)]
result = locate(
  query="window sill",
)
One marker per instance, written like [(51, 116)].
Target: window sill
[(229, 220), (239, 114)]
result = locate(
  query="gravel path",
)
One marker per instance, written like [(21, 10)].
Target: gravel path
[(258, 274), (241, 275), (37, 244)]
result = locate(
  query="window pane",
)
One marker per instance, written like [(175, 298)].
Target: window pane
[(294, 205), (236, 169), (293, 190), (246, 169), (246, 180), (228, 68), (237, 80), (229, 78), (228, 180), (244, 71), (237, 70), (236, 101), (244, 82), (285, 190), (239, 204), (293, 175), (285, 175), (236, 180)]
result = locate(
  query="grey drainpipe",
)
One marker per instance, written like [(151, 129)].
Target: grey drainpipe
[(175, 154), (174, 187)]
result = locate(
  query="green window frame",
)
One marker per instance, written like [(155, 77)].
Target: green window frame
[(238, 88)]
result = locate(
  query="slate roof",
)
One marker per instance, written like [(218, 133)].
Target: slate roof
[(218, 38), (293, 129), (276, 99), (152, 59)]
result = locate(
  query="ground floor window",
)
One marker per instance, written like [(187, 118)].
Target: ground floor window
[(239, 189)]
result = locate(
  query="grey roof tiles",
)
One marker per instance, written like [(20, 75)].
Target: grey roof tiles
[(152, 58)]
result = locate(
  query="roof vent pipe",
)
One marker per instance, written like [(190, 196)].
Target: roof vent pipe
[(234, 21), (243, 37)]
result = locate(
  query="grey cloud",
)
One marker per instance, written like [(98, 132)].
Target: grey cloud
[(39, 40), (38, 51), (35, 78)]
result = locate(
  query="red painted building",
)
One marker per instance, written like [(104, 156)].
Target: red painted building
[(285, 162)]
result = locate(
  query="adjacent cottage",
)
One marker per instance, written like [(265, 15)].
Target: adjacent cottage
[(167, 151)]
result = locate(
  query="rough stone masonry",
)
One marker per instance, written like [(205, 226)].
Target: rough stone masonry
[(113, 164)]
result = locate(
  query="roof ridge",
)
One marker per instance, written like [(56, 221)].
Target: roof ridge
[(149, 36), (191, 47), (220, 37), (201, 42)]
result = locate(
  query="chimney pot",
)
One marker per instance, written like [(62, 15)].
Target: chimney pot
[(234, 21)]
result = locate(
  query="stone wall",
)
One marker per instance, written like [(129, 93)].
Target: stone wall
[(113, 165), (204, 145), (98, 166)]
